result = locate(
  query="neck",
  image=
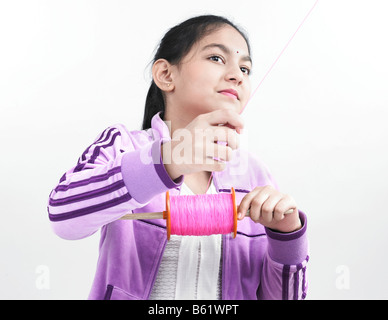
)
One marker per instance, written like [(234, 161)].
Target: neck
[(177, 119), (198, 182)]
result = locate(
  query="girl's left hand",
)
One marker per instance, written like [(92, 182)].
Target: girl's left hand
[(268, 206)]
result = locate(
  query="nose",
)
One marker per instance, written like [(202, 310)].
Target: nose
[(234, 75)]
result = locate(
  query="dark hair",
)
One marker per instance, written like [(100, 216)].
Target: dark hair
[(176, 43)]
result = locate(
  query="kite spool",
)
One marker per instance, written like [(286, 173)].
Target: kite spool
[(201, 215), (197, 215)]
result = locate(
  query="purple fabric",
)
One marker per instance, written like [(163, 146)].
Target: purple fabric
[(138, 181), (120, 173), (97, 178), (280, 245)]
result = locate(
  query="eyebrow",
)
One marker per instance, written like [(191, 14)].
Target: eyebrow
[(225, 49)]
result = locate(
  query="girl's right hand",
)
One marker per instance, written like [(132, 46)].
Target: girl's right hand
[(205, 144)]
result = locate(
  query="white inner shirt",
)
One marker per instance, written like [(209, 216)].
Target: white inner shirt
[(190, 266)]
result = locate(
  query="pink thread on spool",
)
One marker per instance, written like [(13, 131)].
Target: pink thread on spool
[(201, 215)]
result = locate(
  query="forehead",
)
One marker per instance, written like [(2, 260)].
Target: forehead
[(225, 35)]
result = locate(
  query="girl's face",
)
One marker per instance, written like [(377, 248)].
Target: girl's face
[(213, 75)]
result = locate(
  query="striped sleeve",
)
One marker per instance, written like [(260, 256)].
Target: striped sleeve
[(101, 187), (284, 275)]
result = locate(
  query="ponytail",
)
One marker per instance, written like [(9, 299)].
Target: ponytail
[(154, 104)]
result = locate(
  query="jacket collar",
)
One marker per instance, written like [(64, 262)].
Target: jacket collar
[(160, 127)]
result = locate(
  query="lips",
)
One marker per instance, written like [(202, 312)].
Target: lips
[(230, 93)]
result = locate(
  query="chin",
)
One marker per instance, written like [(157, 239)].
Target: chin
[(219, 105), (231, 106)]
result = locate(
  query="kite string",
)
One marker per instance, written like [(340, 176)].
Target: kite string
[(273, 64), (281, 53)]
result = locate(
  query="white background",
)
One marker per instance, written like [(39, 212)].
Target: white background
[(69, 69)]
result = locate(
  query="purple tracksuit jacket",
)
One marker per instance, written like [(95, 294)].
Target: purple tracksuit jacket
[(122, 172)]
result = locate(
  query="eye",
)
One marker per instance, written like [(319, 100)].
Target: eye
[(245, 70), (216, 58)]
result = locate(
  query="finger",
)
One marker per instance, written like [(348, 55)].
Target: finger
[(218, 150), (245, 204), (222, 153), (225, 136), (212, 164), (232, 139), (286, 205), (227, 117), (255, 211), (254, 200), (268, 207)]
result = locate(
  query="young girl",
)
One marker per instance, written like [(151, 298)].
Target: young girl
[(188, 145)]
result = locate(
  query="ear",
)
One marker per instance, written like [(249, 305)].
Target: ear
[(162, 75)]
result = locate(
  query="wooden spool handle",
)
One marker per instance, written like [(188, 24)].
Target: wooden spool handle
[(167, 215), (159, 215)]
